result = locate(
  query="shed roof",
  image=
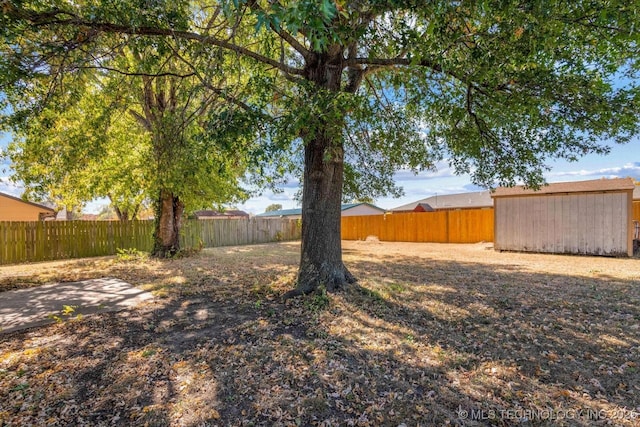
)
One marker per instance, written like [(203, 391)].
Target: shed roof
[(595, 185), (476, 199), (38, 205)]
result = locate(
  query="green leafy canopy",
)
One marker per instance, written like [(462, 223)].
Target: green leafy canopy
[(494, 87)]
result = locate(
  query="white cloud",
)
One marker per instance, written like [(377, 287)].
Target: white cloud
[(279, 197), (9, 187), (628, 169), (442, 170), (291, 183)]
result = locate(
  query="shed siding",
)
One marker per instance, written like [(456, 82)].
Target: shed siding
[(584, 223)]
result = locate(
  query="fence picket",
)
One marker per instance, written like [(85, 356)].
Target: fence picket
[(50, 240), (456, 226)]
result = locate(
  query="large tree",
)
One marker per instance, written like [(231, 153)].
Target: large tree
[(124, 119), (365, 87), (130, 138), (189, 168)]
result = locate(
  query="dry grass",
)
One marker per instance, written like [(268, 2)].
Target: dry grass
[(432, 335)]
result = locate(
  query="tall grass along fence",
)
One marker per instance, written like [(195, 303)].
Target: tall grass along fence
[(455, 226), (51, 240)]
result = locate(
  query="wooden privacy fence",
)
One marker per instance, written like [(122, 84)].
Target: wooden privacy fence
[(51, 240), (636, 210), (456, 226), (230, 232)]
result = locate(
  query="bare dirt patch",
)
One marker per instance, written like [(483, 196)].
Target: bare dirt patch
[(432, 335)]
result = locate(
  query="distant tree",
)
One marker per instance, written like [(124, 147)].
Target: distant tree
[(364, 199), (146, 211), (107, 212), (273, 207)]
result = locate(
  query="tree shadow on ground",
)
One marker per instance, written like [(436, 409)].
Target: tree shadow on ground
[(427, 342)]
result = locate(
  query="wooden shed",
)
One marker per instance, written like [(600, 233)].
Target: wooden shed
[(583, 217)]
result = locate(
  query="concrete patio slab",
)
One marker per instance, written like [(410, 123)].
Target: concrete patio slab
[(26, 308)]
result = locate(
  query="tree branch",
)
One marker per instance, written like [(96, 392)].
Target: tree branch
[(290, 39), (137, 74), (59, 17), (483, 129), (144, 122), (293, 43), (220, 92), (379, 63)]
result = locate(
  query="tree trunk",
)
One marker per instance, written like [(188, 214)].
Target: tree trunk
[(321, 256), (166, 235), (122, 215), (68, 213)]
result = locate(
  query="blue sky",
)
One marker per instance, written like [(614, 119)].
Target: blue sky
[(622, 161)]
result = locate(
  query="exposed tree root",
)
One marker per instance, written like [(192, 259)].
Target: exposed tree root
[(310, 279)]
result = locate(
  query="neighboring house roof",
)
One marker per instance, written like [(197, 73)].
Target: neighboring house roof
[(636, 193), (282, 212), (424, 207), (215, 214), (348, 206), (298, 211), (595, 185), (476, 199), (236, 213), (38, 205)]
